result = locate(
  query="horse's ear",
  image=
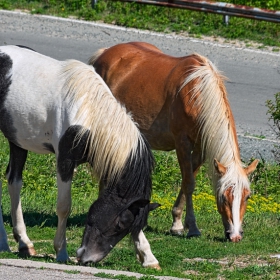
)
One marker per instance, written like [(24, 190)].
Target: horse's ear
[(251, 168), (221, 170), (138, 203), (153, 206)]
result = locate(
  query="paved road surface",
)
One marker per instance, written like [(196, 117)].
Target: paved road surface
[(15, 269), (254, 75)]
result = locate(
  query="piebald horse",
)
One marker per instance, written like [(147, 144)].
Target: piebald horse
[(181, 103), (65, 108)]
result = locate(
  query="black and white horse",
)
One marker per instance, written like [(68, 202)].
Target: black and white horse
[(65, 108)]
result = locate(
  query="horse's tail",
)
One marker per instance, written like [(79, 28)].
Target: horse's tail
[(95, 56)]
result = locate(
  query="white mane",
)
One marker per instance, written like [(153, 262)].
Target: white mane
[(103, 117)]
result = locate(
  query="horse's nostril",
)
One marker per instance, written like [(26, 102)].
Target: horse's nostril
[(79, 253), (236, 239)]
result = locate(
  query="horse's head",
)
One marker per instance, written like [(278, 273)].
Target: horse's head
[(232, 201), (107, 223)]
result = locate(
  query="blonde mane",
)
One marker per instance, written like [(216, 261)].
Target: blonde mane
[(216, 126), (95, 55), (112, 134)]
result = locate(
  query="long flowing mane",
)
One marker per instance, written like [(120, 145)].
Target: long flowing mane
[(102, 118), (216, 125)]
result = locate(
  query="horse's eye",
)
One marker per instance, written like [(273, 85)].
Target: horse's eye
[(224, 199)]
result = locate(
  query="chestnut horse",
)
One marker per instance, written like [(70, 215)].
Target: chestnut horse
[(181, 103)]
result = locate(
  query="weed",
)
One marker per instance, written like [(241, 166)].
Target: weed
[(72, 271)]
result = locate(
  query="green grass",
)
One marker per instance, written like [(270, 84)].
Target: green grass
[(162, 19), (207, 257)]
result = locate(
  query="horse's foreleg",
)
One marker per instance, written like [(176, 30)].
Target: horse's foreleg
[(4, 246), (14, 177), (144, 252), (188, 165), (190, 221), (63, 210)]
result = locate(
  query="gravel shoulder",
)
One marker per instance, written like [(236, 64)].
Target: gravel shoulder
[(12, 269)]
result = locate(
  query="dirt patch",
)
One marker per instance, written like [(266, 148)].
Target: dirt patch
[(231, 264)]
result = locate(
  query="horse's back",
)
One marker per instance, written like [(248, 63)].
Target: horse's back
[(30, 93), (147, 82), (136, 71), (142, 69)]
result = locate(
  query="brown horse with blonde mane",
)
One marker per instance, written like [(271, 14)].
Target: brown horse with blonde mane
[(181, 103)]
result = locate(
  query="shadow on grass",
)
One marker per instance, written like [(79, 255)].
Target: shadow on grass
[(32, 219)]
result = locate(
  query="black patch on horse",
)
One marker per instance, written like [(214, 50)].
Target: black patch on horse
[(6, 120), (71, 152), (49, 147), (16, 163)]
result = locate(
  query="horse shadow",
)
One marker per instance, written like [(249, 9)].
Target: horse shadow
[(33, 219)]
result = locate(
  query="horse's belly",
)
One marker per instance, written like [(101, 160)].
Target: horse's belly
[(163, 141), (40, 143)]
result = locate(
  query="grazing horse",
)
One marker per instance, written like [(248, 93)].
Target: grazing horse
[(181, 103), (65, 108)]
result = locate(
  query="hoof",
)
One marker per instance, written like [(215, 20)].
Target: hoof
[(27, 252), (177, 232), (5, 248), (193, 234)]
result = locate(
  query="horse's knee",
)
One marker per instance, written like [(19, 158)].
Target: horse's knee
[(63, 210)]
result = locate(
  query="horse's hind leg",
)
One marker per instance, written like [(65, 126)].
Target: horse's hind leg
[(189, 161), (14, 177), (177, 212), (4, 247)]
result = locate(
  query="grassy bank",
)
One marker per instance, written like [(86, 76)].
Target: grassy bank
[(162, 19), (207, 257)]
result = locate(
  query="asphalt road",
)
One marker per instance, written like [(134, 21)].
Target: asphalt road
[(254, 75)]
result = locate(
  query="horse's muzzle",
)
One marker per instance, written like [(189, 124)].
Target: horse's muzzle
[(234, 237)]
